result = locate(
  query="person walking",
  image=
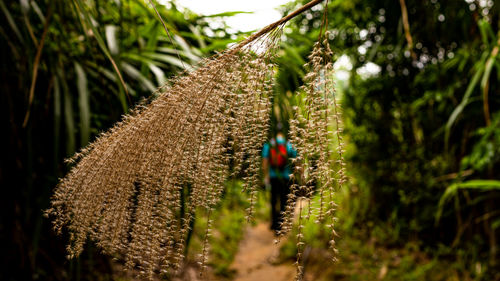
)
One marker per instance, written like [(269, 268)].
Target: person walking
[(276, 169)]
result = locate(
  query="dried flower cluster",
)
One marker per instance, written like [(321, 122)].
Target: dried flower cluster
[(135, 190), (316, 120), (125, 189)]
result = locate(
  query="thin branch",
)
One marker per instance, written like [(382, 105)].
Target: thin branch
[(406, 25), (453, 176), (36, 63), (486, 87), (168, 33), (272, 26)]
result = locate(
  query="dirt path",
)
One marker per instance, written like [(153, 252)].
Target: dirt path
[(252, 262)]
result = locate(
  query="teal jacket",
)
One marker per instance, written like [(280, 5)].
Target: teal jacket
[(291, 152)]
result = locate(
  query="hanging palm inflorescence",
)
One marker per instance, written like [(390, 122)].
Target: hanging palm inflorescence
[(125, 191), (316, 132)]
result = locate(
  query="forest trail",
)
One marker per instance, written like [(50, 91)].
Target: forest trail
[(253, 260)]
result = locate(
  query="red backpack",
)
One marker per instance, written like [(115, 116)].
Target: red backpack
[(278, 156)]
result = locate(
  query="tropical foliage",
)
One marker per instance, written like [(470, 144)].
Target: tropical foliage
[(421, 108), (417, 82), (69, 70)]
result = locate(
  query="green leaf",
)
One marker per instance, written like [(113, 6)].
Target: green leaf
[(183, 44), (100, 41), (489, 66), (105, 73), (151, 45), (190, 55), (486, 31), (465, 100), (37, 10), (110, 31), (68, 115), (11, 21), (173, 60), (226, 14), (197, 34), (83, 104), (160, 75), (57, 116), (480, 185), (219, 44), (136, 74)]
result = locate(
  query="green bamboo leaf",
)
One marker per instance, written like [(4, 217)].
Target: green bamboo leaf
[(110, 31), (83, 104), (29, 27), (112, 77), (482, 30), (182, 43), (190, 55), (136, 74), (226, 14), (68, 115), (57, 117), (103, 71), (489, 66), (159, 74), (480, 185), (484, 84), (38, 11), (197, 34), (154, 66), (186, 50), (465, 100), (219, 44), (141, 59), (151, 44), (100, 41), (173, 60), (11, 21), (487, 33), (295, 55)]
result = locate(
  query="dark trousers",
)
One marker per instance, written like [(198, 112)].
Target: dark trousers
[(280, 188)]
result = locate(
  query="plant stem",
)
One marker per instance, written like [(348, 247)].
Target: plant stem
[(406, 25), (36, 64), (272, 26)]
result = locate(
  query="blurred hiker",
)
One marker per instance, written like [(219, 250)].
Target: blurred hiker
[(276, 168)]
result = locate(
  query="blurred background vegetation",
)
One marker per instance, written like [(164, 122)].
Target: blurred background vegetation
[(421, 104)]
